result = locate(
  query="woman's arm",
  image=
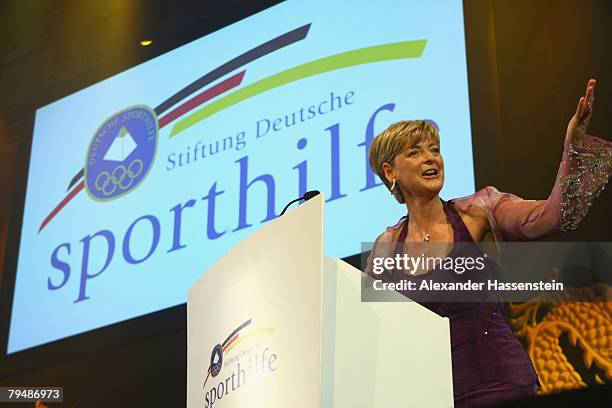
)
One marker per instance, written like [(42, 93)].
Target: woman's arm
[(584, 171)]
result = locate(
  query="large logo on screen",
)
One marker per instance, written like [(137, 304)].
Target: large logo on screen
[(121, 153)]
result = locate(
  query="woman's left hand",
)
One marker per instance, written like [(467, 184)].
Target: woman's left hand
[(576, 129)]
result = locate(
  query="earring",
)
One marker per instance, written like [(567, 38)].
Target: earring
[(392, 186)]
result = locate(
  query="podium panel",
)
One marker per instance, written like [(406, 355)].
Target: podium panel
[(381, 354), (257, 313)]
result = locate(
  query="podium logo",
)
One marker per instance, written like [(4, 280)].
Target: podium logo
[(247, 362)]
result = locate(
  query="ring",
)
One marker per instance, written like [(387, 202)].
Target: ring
[(121, 177), (587, 111)]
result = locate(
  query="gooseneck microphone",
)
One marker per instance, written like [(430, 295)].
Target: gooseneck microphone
[(307, 196)]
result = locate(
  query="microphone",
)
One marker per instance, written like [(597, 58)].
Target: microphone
[(307, 196)]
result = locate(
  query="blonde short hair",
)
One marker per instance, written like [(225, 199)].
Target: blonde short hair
[(393, 140)]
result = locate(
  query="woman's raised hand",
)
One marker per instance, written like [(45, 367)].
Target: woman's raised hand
[(577, 126)]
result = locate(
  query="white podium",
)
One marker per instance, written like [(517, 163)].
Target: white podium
[(274, 323)]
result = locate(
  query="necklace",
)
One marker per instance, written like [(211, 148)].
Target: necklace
[(424, 253), (424, 236), (426, 239)]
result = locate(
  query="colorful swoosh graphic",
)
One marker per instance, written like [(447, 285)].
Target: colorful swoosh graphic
[(385, 52)]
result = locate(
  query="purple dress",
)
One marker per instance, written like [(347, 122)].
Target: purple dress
[(489, 363)]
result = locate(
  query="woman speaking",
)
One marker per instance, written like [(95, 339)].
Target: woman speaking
[(489, 363)]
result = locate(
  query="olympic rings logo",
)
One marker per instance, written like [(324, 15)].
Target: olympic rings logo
[(120, 178)]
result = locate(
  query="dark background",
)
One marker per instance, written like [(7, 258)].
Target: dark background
[(528, 63)]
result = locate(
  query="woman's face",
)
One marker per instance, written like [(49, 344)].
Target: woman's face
[(418, 170)]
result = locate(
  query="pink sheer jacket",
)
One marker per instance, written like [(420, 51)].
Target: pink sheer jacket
[(582, 175)]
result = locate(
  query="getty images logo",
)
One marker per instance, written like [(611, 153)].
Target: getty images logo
[(249, 362)]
